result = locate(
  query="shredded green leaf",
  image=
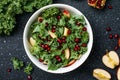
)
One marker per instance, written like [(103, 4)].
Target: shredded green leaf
[(17, 64)]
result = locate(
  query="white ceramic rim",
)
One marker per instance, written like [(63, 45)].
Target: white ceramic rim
[(44, 67)]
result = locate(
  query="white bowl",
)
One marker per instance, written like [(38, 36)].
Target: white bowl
[(35, 60)]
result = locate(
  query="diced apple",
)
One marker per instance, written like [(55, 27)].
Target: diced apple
[(101, 74), (45, 63), (66, 13), (118, 73), (67, 53), (111, 59), (52, 34), (71, 62), (32, 41), (65, 31)]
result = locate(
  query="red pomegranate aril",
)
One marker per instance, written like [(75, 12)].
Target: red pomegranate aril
[(78, 48), (59, 41), (53, 30), (69, 32), (110, 36), (40, 19), (64, 41), (46, 46), (9, 70), (53, 27), (48, 49), (63, 38), (42, 45), (59, 60), (108, 29), (41, 60), (57, 57), (58, 17), (110, 7), (78, 23), (75, 48), (84, 45), (29, 77), (116, 36), (77, 40), (84, 29), (46, 24), (92, 1), (63, 51)]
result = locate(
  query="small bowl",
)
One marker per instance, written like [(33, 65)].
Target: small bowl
[(35, 60)]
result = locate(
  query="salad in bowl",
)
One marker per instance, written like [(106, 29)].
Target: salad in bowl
[(58, 38)]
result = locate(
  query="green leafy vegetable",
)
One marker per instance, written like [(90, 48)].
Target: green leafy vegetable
[(52, 50), (9, 8), (28, 69), (17, 64), (50, 12)]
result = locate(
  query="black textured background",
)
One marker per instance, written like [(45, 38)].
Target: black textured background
[(99, 19)]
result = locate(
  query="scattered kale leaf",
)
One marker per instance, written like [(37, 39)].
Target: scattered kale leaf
[(17, 64), (28, 69)]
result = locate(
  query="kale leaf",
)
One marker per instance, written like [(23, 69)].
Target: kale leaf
[(17, 64), (9, 9)]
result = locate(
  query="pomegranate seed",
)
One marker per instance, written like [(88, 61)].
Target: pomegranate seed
[(108, 29), (42, 45), (63, 51), (57, 57), (40, 19), (78, 23), (116, 36), (59, 41), (9, 70), (75, 48), (46, 46), (116, 48), (53, 30), (53, 27), (84, 29), (63, 38), (46, 24), (64, 41), (78, 48), (110, 7), (29, 77), (69, 32), (84, 45), (92, 1), (58, 17), (110, 36), (119, 42), (48, 49), (41, 60), (77, 40)]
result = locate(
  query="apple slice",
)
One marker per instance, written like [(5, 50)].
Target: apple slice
[(52, 34), (101, 74), (111, 59), (67, 53), (32, 41), (118, 73), (65, 31), (71, 62), (66, 13)]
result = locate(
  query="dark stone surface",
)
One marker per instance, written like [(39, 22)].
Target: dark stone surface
[(12, 46)]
